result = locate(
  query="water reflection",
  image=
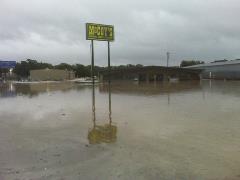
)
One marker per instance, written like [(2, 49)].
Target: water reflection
[(7, 90), (129, 88), (153, 89), (102, 133), (34, 89), (149, 89)]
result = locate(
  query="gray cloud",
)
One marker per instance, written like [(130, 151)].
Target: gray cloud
[(54, 30)]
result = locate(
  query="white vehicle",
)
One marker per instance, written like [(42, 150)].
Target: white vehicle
[(86, 80)]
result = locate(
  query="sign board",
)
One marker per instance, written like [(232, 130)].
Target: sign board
[(99, 32), (7, 64)]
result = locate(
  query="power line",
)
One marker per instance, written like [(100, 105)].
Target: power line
[(168, 57)]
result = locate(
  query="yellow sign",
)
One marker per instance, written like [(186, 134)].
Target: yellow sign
[(99, 32)]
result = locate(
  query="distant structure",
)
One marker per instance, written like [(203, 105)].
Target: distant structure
[(220, 69), (51, 75)]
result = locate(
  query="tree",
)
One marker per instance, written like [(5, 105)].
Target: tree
[(81, 70), (185, 63), (139, 65), (23, 68), (64, 66)]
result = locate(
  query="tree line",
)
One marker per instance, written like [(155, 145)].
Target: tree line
[(23, 68)]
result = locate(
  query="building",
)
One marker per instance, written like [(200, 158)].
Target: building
[(51, 75), (222, 69), (151, 73)]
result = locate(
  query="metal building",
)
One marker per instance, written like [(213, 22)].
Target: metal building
[(51, 75), (222, 69)]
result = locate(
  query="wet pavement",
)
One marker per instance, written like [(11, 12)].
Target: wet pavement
[(67, 131)]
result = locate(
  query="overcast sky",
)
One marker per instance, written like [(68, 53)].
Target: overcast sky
[(54, 30)]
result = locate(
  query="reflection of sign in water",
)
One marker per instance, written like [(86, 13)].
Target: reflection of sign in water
[(106, 133), (99, 32), (102, 134), (7, 64)]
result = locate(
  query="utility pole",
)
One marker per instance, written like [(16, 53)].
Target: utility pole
[(168, 56)]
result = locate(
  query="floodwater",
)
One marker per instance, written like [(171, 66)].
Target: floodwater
[(167, 131)]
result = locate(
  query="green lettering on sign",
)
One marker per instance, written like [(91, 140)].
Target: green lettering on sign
[(99, 32)]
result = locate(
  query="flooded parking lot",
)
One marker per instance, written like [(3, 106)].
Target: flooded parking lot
[(181, 130)]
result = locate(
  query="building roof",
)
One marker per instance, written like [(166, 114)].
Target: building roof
[(216, 63)]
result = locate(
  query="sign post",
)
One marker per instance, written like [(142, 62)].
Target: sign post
[(92, 63), (100, 32), (109, 63)]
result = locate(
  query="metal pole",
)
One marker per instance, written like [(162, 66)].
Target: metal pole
[(93, 86), (109, 85), (93, 107), (109, 63), (92, 65), (168, 56), (110, 103)]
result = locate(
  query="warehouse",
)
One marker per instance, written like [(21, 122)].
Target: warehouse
[(222, 69), (51, 75)]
